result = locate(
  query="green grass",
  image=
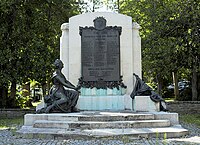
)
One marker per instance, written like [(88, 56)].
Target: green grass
[(8, 123), (169, 99), (191, 118)]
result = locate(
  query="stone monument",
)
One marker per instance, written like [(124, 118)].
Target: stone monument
[(101, 51)]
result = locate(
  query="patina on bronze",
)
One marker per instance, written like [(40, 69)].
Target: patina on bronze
[(100, 84), (100, 53), (142, 89), (59, 98)]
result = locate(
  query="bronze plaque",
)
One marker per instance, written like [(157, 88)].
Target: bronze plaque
[(100, 52)]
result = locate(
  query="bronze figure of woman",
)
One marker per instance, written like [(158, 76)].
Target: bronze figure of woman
[(60, 99)]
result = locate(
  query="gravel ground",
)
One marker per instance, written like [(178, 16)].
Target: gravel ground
[(9, 137)]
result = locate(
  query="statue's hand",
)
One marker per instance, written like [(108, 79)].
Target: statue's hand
[(78, 88)]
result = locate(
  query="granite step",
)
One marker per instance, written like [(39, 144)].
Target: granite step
[(100, 124), (106, 116), (57, 133), (88, 116)]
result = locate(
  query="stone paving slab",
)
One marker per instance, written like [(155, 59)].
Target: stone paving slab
[(8, 138)]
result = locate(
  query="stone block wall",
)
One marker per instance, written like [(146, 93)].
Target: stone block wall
[(184, 107), (14, 113)]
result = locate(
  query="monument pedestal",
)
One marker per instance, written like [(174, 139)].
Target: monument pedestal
[(117, 103), (145, 104), (111, 103), (89, 124)]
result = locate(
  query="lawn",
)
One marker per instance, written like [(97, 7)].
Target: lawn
[(169, 99), (8, 123), (191, 118)]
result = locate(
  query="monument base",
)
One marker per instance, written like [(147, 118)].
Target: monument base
[(102, 124), (145, 104), (112, 103)]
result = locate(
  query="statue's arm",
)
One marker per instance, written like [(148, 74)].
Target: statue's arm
[(65, 83), (69, 83)]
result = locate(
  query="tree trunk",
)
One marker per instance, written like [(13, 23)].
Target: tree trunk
[(118, 6), (3, 96), (12, 100), (27, 92), (160, 83), (198, 86), (13, 90), (175, 82), (194, 82), (27, 89)]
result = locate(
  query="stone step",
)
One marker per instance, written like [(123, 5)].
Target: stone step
[(57, 133), (107, 116), (161, 132), (88, 116), (100, 124)]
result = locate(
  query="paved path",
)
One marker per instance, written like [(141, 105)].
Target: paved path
[(9, 137)]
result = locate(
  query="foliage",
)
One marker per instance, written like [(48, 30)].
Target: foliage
[(90, 5), (29, 39), (22, 100), (170, 35), (96, 5), (185, 95)]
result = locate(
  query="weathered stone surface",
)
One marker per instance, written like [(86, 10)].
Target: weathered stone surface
[(173, 117), (100, 124), (103, 124), (53, 133), (51, 124), (144, 103)]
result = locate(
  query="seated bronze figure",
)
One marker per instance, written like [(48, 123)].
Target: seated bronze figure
[(59, 98), (142, 89)]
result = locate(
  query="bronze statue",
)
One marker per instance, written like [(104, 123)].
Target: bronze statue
[(59, 98), (142, 89)]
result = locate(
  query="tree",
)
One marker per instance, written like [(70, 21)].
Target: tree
[(170, 35), (95, 5), (30, 39), (186, 30)]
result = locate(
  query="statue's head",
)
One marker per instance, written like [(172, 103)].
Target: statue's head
[(58, 64)]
